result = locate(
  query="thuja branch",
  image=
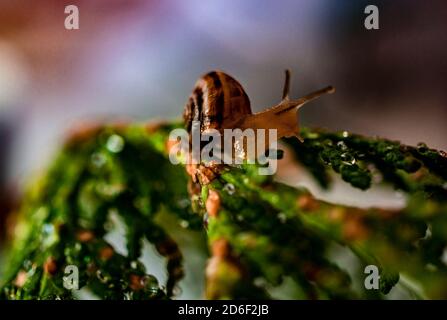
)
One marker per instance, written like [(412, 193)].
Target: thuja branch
[(278, 231), (100, 173), (260, 232)]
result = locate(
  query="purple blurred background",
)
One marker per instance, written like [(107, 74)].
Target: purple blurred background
[(139, 60)]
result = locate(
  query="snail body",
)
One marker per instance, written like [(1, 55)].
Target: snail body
[(219, 102)]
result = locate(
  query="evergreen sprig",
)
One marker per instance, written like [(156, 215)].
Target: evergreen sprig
[(262, 235)]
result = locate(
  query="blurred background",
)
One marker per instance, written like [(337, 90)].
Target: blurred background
[(139, 60)]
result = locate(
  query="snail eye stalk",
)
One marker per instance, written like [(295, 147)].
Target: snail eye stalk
[(286, 89)]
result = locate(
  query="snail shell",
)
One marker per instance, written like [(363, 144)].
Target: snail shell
[(218, 101)]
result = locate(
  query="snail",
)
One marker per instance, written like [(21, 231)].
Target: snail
[(219, 102)]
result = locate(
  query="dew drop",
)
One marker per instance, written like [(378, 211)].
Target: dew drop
[(115, 143), (347, 158), (205, 219), (230, 188), (101, 276), (49, 235), (32, 270), (98, 159), (184, 224), (123, 284), (259, 282), (342, 145), (150, 284), (282, 217), (428, 233), (128, 295), (27, 264), (389, 148), (29, 267), (47, 229), (77, 246), (444, 256)]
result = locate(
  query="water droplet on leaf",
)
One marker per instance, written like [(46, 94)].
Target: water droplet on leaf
[(27, 264), (184, 224), (282, 217), (115, 143), (101, 276), (205, 219), (49, 235), (342, 145), (150, 284), (229, 188), (98, 159), (444, 256), (347, 158)]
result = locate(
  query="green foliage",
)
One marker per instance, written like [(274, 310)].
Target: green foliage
[(67, 213), (264, 234)]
